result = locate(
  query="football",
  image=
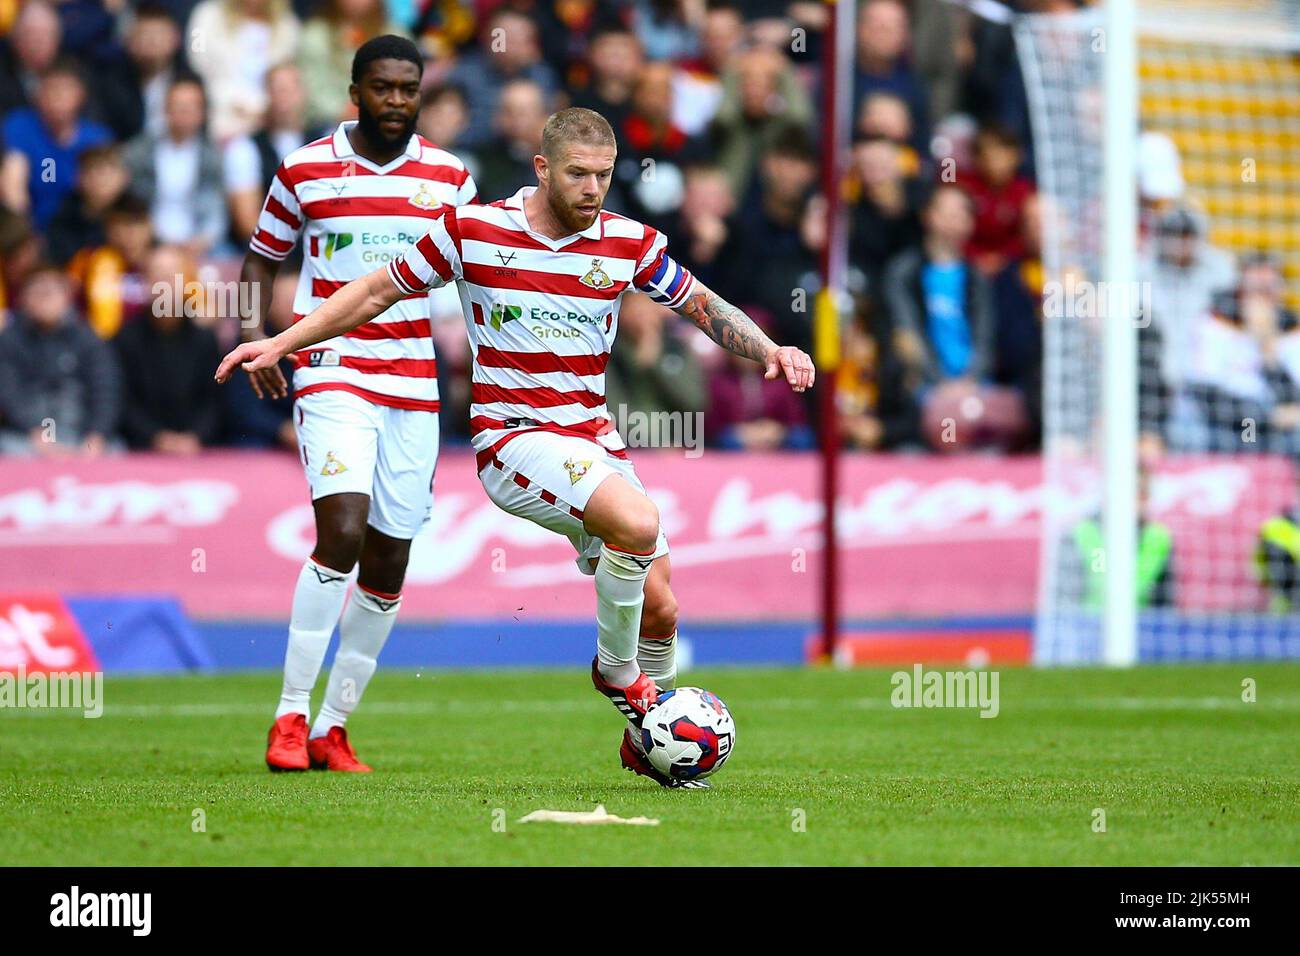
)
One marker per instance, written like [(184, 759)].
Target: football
[(688, 733)]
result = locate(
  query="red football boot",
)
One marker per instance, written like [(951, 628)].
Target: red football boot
[(631, 701), (286, 744), (333, 752), (634, 759)]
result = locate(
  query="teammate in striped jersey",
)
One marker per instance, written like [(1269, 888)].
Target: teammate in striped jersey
[(366, 400), (540, 277)]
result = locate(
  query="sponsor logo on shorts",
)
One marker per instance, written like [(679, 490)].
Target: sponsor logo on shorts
[(332, 466), (576, 470)]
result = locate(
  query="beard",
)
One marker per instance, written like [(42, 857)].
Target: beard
[(569, 217), (372, 131)]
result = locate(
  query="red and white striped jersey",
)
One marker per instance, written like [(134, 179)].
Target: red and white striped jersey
[(542, 313), (354, 217)]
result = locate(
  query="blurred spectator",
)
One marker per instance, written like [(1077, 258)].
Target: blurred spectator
[(941, 52), (444, 117), (653, 369), (79, 223), (442, 26), (762, 103), (179, 174), (1018, 305), (885, 199), (26, 53), (329, 41), (90, 30), (772, 259), (508, 50), (751, 413), (132, 93), (169, 399), (43, 143), (1160, 180), (886, 116), (882, 42), (20, 250), (233, 43), (58, 381), (507, 162), (616, 62), (998, 193), (250, 422), (1155, 556), (698, 84), (1179, 272), (668, 29), (249, 162), (652, 150), (943, 335), (857, 392), (111, 275), (704, 234), (1245, 370)]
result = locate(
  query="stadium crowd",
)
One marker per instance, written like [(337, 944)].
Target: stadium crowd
[(139, 138)]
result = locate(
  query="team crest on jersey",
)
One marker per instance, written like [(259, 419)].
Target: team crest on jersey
[(576, 470), (597, 278), (424, 198), (332, 465), (502, 313)]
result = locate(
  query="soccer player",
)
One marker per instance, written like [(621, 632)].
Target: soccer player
[(540, 277), (366, 398)]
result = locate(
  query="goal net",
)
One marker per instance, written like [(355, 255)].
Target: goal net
[(1215, 305)]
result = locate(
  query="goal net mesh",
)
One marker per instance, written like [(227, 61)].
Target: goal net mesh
[(1216, 300)]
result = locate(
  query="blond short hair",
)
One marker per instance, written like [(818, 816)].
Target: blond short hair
[(575, 125)]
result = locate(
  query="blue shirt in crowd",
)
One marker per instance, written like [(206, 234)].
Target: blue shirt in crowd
[(944, 287), (52, 166)]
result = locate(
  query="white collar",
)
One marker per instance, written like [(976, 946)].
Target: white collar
[(514, 207), (343, 149)]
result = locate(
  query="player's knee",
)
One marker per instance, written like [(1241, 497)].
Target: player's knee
[(338, 543), (659, 615), (638, 528)]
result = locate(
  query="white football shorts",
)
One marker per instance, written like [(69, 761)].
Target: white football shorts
[(348, 444), (549, 478)]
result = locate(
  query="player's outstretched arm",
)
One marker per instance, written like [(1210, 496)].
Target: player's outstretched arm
[(736, 332), (353, 305)]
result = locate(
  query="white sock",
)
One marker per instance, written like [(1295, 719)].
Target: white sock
[(367, 622), (620, 593), (317, 600), (658, 658)]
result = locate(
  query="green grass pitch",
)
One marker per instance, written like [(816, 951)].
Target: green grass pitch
[(825, 771)]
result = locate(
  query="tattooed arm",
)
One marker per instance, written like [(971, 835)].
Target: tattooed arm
[(736, 332)]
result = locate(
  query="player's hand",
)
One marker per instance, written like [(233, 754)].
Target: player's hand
[(268, 382), (795, 364), (252, 357)]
